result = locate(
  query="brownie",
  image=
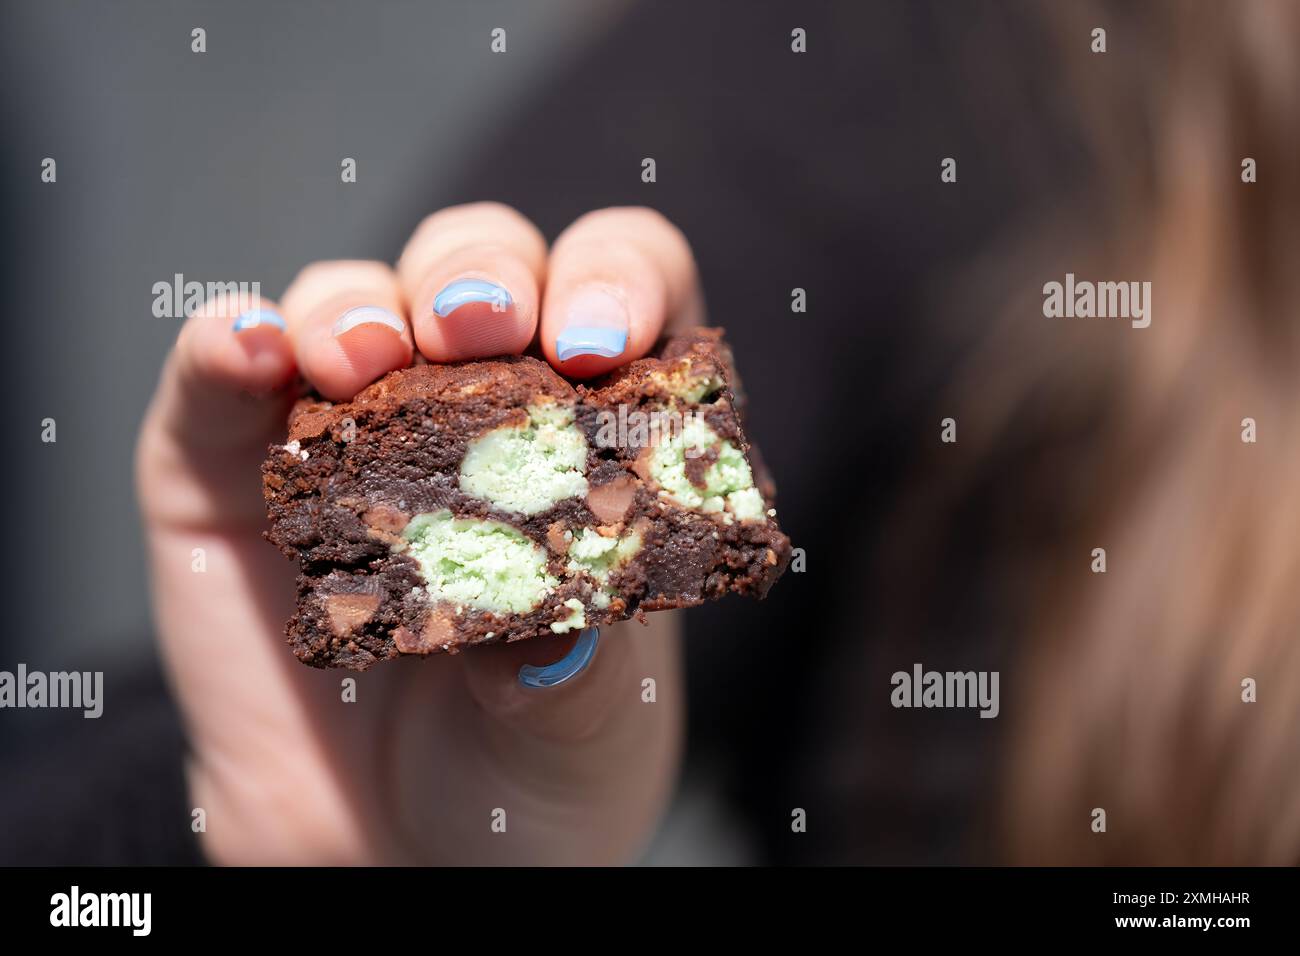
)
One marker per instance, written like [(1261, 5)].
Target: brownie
[(450, 505)]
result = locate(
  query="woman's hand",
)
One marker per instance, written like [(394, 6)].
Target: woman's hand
[(432, 752)]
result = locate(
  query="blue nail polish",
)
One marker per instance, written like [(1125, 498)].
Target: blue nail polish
[(576, 340), (464, 291), (367, 315), (254, 318), (567, 667)]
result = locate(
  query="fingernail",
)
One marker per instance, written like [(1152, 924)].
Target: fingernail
[(367, 315), (567, 667), (464, 291), (596, 323), (255, 318)]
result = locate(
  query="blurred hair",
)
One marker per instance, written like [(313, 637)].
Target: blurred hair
[(1127, 691)]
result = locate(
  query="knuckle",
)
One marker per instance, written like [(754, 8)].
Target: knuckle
[(310, 275), (327, 270), (642, 226), (487, 223), (453, 217), (603, 256), (324, 278), (655, 224)]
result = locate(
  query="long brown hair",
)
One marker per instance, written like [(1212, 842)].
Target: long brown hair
[(1128, 692)]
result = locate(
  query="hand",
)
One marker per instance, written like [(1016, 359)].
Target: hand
[(416, 769)]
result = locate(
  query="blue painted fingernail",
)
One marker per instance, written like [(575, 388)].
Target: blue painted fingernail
[(255, 318), (464, 291), (581, 341), (567, 667), (367, 315), (595, 323)]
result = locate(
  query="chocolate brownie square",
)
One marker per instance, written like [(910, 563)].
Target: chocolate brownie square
[(451, 505)]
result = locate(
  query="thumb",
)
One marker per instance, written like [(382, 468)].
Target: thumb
[(566, 689)]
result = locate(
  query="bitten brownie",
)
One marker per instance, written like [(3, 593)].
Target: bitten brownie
[(450, 505)]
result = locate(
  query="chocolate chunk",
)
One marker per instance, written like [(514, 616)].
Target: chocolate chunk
[(347, 612), (438, 633), (609, 502)]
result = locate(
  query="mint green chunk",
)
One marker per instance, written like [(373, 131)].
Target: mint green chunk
[(482, 564), (527, 469), (728, 482), (597, 555), (577, 617)]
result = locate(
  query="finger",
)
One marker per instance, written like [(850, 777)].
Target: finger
[(347, 321), (231, 349), (222, 397), (472, 274), (589, 763), (616, 278), (598, 678)]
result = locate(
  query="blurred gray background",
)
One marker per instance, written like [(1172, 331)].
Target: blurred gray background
[(816, 172), (222, 166)]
